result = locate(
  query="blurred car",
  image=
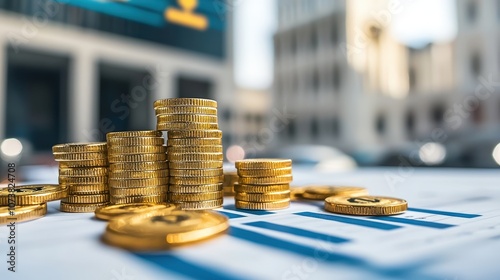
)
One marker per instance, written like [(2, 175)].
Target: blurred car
[(318, 157)]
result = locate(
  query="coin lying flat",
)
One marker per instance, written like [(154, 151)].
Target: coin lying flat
[(275, 205), (202, 102), (366, 205), (182, 134), (322, 192), (263, 163), (80, 147), (113, 211), (162, 229), (32, 194), (296, 192), (136, 141), (80, 207), (139, 133), (186, 110), (260, 188), (265, 172), (22, 213)]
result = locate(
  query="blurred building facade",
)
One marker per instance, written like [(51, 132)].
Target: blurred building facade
[(350, 84), (73, 74)]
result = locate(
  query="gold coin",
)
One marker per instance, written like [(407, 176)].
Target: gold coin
[(83, 180), (196, 180), (265, 172), (137, 158), (145, 174), (84, 163), (140, 133), (164, 228), (262, 197), (80, 147), (197, 102), (322, 192), (80, 208), (186, 110), (116, 150), (263, 163), (90, 198), (193, 197), (186, 118), (186, 126), (80, 156), (261, 188), (366, 205), (113, 211), (138, 166), (194, 164), (182, 134), (296, 193), (88, 189), (275, 205), (276, 180), (196, 172), (136, 141), (139, 191), (194, 188), (31, 194), (156, 198), (189, 142), (230, 178), (195, 157), (132, 183), (200, 205), (195, 149), (22, 213), (83, 172), (228, 191)]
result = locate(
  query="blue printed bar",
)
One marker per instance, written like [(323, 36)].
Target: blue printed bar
[(231, 215), (188, 269), (420, 223), (351, 221), (445, 213), (298, 232)]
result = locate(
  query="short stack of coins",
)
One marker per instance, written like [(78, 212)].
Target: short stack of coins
[(83, 171), (230, 178), (263, 184), (138, 170), (194, 151)]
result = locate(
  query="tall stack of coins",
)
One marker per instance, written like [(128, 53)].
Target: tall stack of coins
[(194, 151), (263, 184), (83, 170), (138, 171)]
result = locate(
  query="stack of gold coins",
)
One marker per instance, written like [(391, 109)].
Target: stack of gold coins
[(194, 151), (263, 184), (230, 178), (138, 170), (83, 170)]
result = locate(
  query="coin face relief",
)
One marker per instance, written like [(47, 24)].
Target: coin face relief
[(161, 229)]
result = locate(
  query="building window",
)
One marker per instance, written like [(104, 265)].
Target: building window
[(475, 64), (292, 129), (472, 11), (336, 77), (335, 33), (412, 78), (336, 127), (478, 114), (410, 123), (438, 114), (380, 124), (315, 81), (314, 128)]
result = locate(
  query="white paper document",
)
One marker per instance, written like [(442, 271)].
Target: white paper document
[(450, 231)]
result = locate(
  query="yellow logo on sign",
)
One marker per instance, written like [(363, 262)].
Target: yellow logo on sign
[(186, 16)]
